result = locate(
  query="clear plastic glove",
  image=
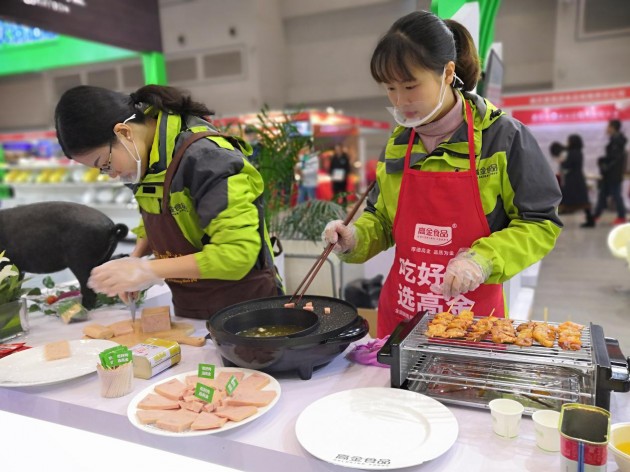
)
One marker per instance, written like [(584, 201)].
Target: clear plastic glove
[(128, 297), (129, 274), (342, 236), (366, 353), (465, 272)]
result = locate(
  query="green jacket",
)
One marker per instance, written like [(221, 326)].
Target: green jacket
[(519, 192), (215, 198)]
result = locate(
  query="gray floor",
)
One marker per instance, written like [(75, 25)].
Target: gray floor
[(580, 279)]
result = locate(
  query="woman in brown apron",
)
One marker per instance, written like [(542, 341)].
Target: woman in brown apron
[(199, 196)]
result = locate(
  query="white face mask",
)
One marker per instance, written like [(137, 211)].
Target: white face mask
[(131, 178), (415, 114)]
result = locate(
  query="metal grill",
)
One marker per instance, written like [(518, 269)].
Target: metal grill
[(487, 349)]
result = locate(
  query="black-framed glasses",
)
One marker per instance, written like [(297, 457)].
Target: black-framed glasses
[(107, 168)]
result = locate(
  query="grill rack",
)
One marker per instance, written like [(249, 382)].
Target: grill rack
[(535, 354)]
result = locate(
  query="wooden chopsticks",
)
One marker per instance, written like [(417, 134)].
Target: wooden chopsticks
[(310, 276)]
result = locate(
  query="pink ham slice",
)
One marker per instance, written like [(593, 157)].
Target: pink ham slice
[(224, 376), (208, 421), (157, 402), (150, 416), (236, 413), (193, 405), (257, 398), (254, 381), (173, 389), (192, 380), (176, 421)]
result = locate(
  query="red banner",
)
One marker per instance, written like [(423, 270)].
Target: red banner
[(610, 94), (592, 113)]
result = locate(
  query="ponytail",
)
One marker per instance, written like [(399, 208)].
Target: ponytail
[(166, 99), (467, 65)]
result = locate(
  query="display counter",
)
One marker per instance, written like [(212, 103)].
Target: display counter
[(268, 443)]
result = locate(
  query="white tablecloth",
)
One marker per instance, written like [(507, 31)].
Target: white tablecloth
[(267, 444)]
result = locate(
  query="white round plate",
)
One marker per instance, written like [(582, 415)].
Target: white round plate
[(376, 428), (29, 367), (150, 428)]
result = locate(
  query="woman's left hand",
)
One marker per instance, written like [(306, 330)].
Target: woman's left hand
[(463, 274), (129, 274)]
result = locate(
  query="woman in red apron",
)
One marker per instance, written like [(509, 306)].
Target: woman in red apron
[(199, 197), (463, 191)]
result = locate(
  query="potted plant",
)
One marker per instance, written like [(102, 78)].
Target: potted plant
[(277, 145), (12, 304)]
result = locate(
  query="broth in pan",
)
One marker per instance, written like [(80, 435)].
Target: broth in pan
[(268, 331)]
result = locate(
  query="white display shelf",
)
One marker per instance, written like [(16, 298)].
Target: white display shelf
[(64, 185)]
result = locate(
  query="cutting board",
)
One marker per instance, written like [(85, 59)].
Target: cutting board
[(179, 332)]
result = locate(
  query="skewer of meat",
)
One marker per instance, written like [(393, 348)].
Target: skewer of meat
[(503, 332), (570, 336)]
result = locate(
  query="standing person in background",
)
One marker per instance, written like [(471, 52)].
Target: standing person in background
[(199, 197), (612, 167), (463, 190), (339, 170), (573, 182), (307, 168)]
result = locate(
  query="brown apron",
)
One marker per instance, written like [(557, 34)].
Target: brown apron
[(200, 298)]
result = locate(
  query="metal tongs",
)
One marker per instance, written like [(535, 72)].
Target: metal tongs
[(308, 279)]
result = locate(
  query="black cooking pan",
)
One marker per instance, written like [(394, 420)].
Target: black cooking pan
[(305, 321), (302, 353), (253, 313)]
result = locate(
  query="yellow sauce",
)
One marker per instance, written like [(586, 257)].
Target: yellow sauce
[(624, 447)]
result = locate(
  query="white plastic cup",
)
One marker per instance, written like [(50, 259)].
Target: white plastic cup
[(506, 416), (546, 425)]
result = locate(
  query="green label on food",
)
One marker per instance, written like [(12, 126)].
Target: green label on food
[(204, 392), (206, 371), (231, 385), (115, 356)]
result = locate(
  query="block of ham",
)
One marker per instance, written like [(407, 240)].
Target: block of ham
[(173, 389), (97, 331), (254, 381), (56, 350), (121, 327), (150, 416), (236, 413), (251, 397), (157, 402), (177, 421), (223, 377), (155, 319), (207, 421)]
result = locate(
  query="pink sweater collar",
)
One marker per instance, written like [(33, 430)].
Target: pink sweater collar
[(432, 134)]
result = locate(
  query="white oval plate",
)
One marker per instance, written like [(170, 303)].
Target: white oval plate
[(376, 428), (149, 428), (29, 367)]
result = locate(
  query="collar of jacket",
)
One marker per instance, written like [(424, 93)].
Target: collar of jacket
[(484, 114)]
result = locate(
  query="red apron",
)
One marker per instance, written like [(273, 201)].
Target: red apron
[(438, 213)]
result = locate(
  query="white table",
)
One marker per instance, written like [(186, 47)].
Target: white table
[(269, 443)]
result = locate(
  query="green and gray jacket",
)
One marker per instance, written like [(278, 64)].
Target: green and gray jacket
[(215, 198), (519, 192)]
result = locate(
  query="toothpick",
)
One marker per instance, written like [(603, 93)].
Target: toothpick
[(450, 307), (569, 317), (545, 314), (471, 306), (491, 313)]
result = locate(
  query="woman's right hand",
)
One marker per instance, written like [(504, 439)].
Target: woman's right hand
[(342, 236)]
